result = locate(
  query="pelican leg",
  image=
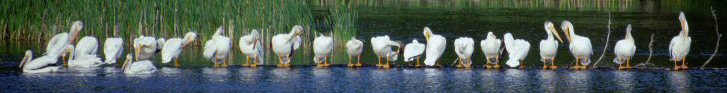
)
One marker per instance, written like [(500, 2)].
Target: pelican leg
[(358, 61), (628, 63), (418, 63), (545, 63), (577, 63), (247, 62), (552, 64), (287, 64), (487, 64), (387, 62), (321, 63), (327, 63), (583, 66), (497, 62), (176, 62), (215, 63), (280, 62), (684, 63), (459, 63), (522, 64), (620, 66), (676, 67), (379, 64), (224, 63)]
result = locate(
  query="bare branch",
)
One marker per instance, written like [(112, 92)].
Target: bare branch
[(719, 37), (607, 39)]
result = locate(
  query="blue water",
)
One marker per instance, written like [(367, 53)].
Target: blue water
[(367, 79)]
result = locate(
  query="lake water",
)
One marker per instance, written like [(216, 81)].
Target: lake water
[(404, 21), (367, 79)]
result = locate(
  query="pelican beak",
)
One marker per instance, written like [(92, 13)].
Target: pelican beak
[(24, 61), (557, 35), (71, 53), (126, 62), (684, 24), (427, 35), (566, 30)]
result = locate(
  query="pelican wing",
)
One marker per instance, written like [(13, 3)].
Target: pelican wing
[(172, 49), (86, 46), (413, 50), (112, 49), (85, 61), (57, 44), (210, 47), (141, 67)]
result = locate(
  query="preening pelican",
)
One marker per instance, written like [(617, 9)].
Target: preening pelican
[(549, 47), (517, 49), (624, 50), (174, 47), (354, 48), (145, 47), (382, 48), (88, 45), (218, 48), (491, 48), (82, 60), (435, 46), (580, 46), (322, 47), (284, 45), (138, 67), (251, 45), (58, 43), (413, 51), (113, 48), (679, 45), (39, 65), (464, 47)]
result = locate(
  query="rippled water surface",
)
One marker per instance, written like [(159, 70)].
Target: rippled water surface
[(367, 79)]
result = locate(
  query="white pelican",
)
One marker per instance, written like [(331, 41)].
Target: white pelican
[(138, 67), (113, 48), (517, 49), (88, 45), (145, 47), (174, 47), (679, 45), (82, 60), (38, 65), (414, 50), (491, 48), (322, 47), (251, 45), (218, 48), (382, 48), (58, 43), (580, 46), (435, 46), (284, 45), (625, 49), (464, 47), (354, 48), (549, 47)]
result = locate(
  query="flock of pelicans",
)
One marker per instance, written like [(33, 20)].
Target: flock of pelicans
[(284, 46)]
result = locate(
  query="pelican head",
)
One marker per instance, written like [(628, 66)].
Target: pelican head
[(427, 33), (567, 28), (75, 29), (70, 50), (491, 35), (550, 29), (190, 36), (220, 31), (628, 32), (685, 25), (126, 62), (297, 29), (26, 59)]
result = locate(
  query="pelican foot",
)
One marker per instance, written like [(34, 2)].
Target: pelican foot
[(386, 66), (245, 65), (320, 65), (350, 65), (281, 65), (496, 66), (684, 67), (488, 66), (253, 65), (553, 67), (417, 66), (359, 64), (545, 67)]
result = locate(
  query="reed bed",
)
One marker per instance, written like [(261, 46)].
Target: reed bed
[(34, 20)]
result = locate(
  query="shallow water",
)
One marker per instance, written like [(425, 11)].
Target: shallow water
[(367, 79)]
